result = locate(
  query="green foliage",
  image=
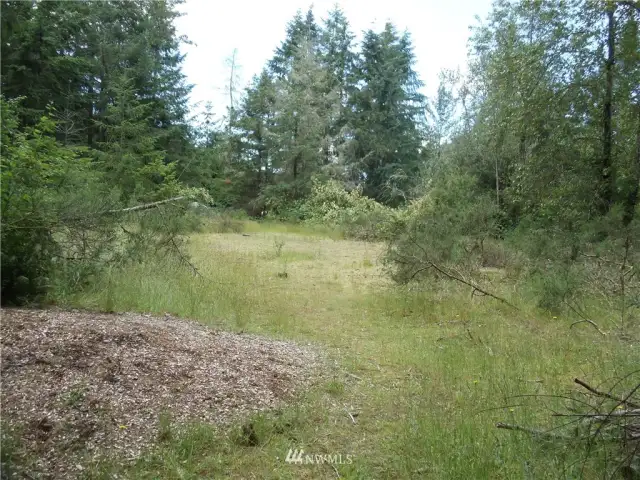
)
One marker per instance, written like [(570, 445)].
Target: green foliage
[(46, 189), (62, 223), (448, 225), (356, 215), (386, 136)]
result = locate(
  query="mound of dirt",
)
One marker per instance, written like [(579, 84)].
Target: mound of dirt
[(81, 384)]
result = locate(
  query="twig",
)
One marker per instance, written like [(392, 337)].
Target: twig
[(581, 315), (350, 415), (335, 470), (532, 431), (475, 287), (184, 259), (624, 401), (353, 376), (600, 416), (589, 322), (145, 206)]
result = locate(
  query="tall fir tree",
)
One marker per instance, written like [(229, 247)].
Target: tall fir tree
[(387, 137)]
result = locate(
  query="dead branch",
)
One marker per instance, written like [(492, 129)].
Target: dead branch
[(350, 415), (475, 287), (532, 431), (589, 322), (145, 206), (622, 401), (598, 416)]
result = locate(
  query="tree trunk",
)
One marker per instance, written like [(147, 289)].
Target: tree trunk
[(497, 183), (90, 125), (231, 88), (632, 199), (607, 125)]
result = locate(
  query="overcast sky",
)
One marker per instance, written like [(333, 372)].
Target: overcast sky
[(439, 30)]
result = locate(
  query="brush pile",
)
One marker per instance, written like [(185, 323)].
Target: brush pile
[(603, 423)]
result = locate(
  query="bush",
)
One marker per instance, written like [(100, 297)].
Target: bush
[(61, 226), (357, 216), (451, 224), (49, 196), (590, 267)]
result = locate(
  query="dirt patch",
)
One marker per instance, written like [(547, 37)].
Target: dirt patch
[(79, 384)]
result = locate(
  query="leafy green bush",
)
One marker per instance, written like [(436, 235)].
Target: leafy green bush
[(450, 224), (49, 196), (358, 216), (62, 226)]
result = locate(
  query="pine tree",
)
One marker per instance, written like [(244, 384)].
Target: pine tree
[(338, 59), (300, 30), (130, 154), (255, 131), (305, 106), (387, 140)]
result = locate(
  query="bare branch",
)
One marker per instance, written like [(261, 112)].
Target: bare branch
[(146, 206), (591, 323), (532, 431), (606, 395)]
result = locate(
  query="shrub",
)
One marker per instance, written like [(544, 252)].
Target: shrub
[(450, 224), (357, 216), (49, 196), (61, 226)]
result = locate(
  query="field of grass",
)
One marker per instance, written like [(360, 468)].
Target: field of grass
[(419, 376)]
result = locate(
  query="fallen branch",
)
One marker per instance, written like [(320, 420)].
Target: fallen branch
[(591, 323), (145, 206), (532, 431), (622, 401)]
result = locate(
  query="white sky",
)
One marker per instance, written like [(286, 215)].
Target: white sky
[(439, 31)]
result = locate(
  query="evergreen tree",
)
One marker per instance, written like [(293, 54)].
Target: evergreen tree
[(300, 30), (305, 105), (386, 108), (338, 59), (130, 154), (255, 127)]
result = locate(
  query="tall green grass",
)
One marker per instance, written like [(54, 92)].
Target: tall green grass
[(428, 372)]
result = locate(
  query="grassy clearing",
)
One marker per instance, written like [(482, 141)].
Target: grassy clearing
[(426, 372)]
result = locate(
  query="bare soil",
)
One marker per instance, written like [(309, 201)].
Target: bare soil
[(78, 384)]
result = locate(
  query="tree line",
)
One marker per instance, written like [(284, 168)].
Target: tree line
[(541, 135)]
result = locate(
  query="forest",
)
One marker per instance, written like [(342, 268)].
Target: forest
[(511, 197)]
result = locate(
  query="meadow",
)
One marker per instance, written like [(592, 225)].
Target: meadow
[(419, 375)]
